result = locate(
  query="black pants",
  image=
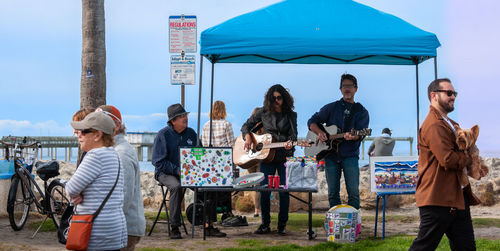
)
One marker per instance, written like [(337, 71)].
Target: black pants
[(210, 206), (436, 221)]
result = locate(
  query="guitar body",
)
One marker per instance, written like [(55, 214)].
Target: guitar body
[(323, 149), (248, 159), (331, 146)]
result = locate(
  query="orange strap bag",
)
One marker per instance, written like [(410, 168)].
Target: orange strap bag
[(81, 224)]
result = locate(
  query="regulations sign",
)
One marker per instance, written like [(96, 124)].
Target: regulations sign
[(182, 71), (182, 34)]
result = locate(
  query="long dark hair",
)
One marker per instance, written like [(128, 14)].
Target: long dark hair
[(287, 105)]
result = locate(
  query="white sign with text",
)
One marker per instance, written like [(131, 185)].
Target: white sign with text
[(182, 71), (182, 34)]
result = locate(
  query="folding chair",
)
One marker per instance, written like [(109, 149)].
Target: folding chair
[(164, 191)]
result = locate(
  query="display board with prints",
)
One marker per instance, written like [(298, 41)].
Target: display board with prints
[(206, 167)]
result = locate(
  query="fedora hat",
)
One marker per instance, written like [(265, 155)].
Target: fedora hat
[(175, 110)]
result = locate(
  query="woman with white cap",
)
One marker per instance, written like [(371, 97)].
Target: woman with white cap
[(94, 179)]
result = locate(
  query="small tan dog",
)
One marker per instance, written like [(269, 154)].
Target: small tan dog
[(466, 140)]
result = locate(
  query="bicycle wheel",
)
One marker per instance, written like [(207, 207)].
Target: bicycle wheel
[(18, 203), (58, 201)]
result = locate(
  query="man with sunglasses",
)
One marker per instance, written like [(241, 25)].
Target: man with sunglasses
[(443, 204)]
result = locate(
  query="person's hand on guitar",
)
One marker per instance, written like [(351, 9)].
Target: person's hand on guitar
[(350, 136), (248, 142), (320, 134), (288, 145)]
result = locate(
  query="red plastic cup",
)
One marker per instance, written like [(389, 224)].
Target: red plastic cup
[(276, 181), (270, 181)]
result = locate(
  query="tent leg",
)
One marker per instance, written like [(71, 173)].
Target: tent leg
[(418, 103), (198, 143), (435, 68), (211, 104)]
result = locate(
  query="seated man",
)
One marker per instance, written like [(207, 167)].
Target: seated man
[(166, 161), (382, 145)]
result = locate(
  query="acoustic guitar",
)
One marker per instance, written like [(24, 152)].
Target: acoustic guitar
[(263, 150), (334, 139)]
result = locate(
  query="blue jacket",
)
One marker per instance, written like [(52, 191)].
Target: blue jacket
[(166, 149), (334, 114)]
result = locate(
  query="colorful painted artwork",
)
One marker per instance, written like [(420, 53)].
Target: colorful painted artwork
[(207, 167), (394, 173)]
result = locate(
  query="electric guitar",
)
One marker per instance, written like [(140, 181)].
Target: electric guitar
[(334, 139), (263, 150)]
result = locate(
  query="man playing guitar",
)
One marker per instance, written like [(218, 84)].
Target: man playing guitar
[(348, 116)]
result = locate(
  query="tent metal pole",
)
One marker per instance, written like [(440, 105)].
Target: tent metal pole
[(211, 104), (435, 68), (199, 101), (418, 103)]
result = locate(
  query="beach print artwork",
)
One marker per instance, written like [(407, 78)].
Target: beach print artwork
[(393, 174), (207, 167)]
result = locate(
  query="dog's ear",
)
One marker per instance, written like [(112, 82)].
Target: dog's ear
[(457, 128), (475, 131)]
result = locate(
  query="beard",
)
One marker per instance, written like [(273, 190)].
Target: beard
[(446, 106)]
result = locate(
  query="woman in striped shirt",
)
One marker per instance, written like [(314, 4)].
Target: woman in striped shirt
[(94, 179)]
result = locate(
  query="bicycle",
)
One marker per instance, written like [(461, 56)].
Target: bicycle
[(51, 201)]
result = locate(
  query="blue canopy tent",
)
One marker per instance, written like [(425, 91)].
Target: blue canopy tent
[(316, 32)]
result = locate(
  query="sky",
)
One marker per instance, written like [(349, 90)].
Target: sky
[(40, 67)]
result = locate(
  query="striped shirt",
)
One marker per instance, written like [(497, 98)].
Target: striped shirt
[(222, 133), (93, 179)]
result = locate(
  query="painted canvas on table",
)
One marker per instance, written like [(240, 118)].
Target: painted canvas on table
[(393, 173), (207, 167)]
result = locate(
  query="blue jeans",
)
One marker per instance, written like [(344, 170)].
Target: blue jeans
[(333, 172), (265, 197)]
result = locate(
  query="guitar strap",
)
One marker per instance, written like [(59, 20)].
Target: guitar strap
[(356, 107)]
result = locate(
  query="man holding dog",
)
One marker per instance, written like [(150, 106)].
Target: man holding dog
[(443, 203)]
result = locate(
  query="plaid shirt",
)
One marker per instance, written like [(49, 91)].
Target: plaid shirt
[(222, 133)]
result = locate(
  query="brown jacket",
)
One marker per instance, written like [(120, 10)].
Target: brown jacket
[(438, 163)]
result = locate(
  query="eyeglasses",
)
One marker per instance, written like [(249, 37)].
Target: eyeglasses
[(277, 98), (85, 131), (448, 92), (348, 86)]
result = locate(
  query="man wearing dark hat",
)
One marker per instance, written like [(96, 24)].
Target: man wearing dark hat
[(166, 159), (382, 145)]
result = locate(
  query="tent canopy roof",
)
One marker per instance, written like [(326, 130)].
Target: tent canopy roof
[(318, 32)]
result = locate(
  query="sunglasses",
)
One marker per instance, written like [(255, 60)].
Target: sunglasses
[(448, 92), (277, 98), (85, 131)]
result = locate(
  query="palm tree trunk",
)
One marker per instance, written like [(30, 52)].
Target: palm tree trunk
[(93, 76)]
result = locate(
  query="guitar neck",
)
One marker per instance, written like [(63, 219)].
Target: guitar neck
[(279, 144)]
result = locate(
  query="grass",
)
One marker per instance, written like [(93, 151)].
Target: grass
[(486, 222), (395, 243), (48, 226)]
